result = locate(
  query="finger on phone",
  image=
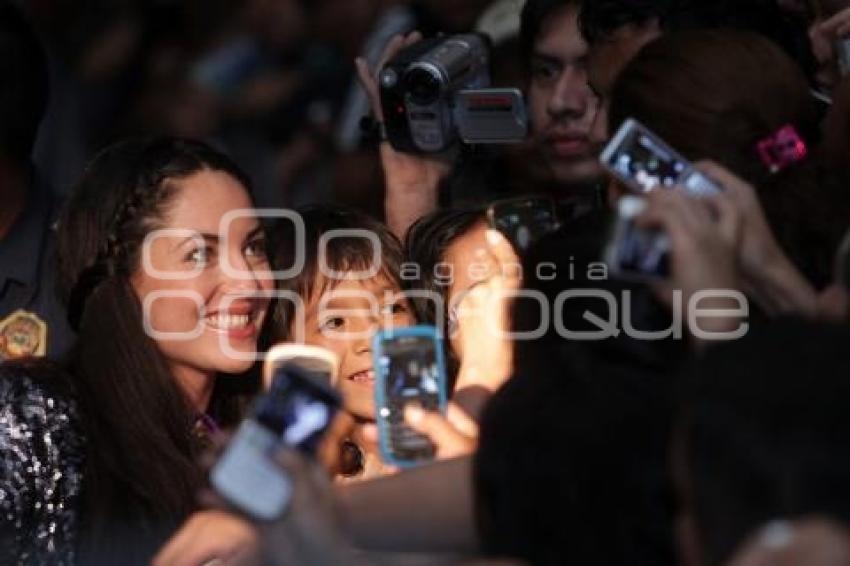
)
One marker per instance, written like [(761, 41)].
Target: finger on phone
[(461, 420)]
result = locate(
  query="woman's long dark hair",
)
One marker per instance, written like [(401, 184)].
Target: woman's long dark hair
[(141, 475)]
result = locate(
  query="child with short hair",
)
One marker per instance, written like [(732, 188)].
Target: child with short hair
[(348, 288)]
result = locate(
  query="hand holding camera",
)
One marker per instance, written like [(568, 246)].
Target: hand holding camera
[(703, 235), (411, 180), (435, 92)]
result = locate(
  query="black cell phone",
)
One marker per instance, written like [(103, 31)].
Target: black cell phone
[(523, 220), (635, 252), (295, 412)]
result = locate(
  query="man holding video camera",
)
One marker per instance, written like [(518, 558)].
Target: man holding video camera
[(560, 109)]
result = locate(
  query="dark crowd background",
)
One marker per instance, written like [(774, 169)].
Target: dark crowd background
[(272, 82)]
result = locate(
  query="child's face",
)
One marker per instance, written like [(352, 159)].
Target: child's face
[(343, 318)]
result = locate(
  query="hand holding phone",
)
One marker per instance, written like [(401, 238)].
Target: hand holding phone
[(409, 370), (695, 240)]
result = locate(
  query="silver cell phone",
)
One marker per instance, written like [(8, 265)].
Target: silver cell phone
[(634, 252), (317, 359), (643, 162), (295, 412)]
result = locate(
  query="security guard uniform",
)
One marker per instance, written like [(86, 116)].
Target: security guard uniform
[(32, 319)]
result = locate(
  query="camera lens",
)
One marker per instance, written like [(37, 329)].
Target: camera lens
[(422, 86)]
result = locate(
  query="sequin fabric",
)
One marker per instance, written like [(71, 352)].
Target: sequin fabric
[(41, 463)]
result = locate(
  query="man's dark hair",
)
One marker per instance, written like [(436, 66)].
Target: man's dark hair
[(764, 432), (600, 18), (24, 83), (534, 12)]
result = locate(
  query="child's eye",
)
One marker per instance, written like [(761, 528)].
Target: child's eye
[(393, 308), (332, 323)]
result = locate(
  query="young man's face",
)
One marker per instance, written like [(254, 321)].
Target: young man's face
[(562, 106), (607, 58)]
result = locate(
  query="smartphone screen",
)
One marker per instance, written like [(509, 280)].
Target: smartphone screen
[(298, 408), (295, 412), (409, 371), (635, 251), (644, 162), (523, 221), (321, 362), (643, 252)]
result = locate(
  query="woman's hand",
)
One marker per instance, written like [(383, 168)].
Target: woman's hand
[(412, 181), (703, 234), (823, 36), (766, 272)]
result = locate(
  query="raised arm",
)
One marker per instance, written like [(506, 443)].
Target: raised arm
[(412, 181)]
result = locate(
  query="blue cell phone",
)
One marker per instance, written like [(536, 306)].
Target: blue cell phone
[(409, 368)]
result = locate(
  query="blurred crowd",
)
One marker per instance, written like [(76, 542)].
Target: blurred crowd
[(270, 81), (619, 339)]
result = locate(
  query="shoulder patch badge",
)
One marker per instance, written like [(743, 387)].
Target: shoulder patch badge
[(22, 334)]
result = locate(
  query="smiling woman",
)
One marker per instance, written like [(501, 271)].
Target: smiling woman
[(163, 264), (189, 306)]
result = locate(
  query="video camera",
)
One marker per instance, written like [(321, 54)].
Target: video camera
[(436, 92)]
